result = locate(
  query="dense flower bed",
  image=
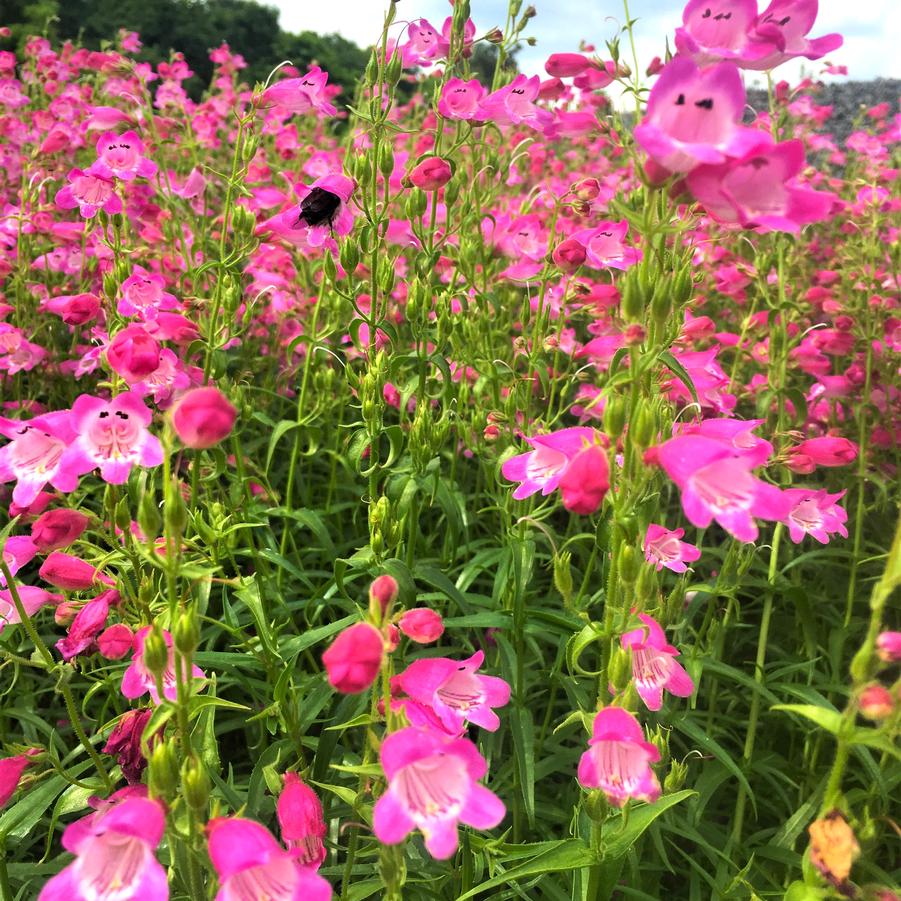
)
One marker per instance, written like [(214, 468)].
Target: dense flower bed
[(483, 495)]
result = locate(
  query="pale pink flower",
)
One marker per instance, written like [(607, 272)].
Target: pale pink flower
[(541, 468), (460, 99), (815, 513), (138, 680), (301, 95), (663, 547), (654, 664), (89, 192)]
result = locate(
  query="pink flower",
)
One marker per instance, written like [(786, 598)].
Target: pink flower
[(566, 65), (71, 573), (354, 658), (35, 455), (716, 484), (383, 593), (74, 309), (663, 548), (713, 32), (16, 552), (826, 451), (431, 173), (121, 156), (540, 469), (133, 354), (323, 211), (32, 599), (422, 45), (113, 436), (737, 434), (421, 625), (251, 864), (431, 787), (760, 189), (461, 99), (814, 513), (888, 647), (605, 247), (11, 769), (125, 743), (57, 529), (301, 820), (782, 27), (203, 417), (301, 95), (89, 192), (144, 294), (114, 848), (694, 116), (618, 759), (137, 680), (515, 104), (455, 692), (654, 664), (87, 625), (586, 480), (115, 642), (569, 254)]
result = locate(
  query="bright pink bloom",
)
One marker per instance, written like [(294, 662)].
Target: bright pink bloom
[(829, 450), (586, 480), (605, 247), (662, 547), (133, 353), (814, 513), (203, 417), (115, 642), (11, 769), (71, 573), (323, 212), (713, 31), (32, 599), (302, 822), (888, 647), (74, 309), (540, 469), (89, 192), (16, 552), (421, 625), (301, 95), (461, 99), (125, 743), (144, 294), (252, 865), (737, 434), (432, 785), (115, 859), (455, 692), (716, 484), (694, 116), (35, 455), (783, 26), (515, 104), (354, 658), (654, 664), (138, 680), (760, 190), (423, 44), (57, 529), (569, 254), (87, 625), (113, 436), (431, 173), (618, 760), (11, 94), (566, 65), (121, 156)]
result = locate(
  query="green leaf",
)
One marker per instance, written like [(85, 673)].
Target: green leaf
[(830, 720)]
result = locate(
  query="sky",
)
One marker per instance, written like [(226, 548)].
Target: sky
[(872, 28)]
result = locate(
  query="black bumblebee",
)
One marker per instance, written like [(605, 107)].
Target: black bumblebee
[(319, 207)]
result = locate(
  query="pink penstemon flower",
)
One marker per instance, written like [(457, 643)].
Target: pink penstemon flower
[(433, 785), (121, 156), (654, 665), (663, 547), (815, 513), (541, 468), (138, 680)]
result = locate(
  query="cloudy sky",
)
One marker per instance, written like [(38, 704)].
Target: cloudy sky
[(872, 28)]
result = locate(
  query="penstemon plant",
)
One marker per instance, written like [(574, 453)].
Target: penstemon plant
[(477, 491)]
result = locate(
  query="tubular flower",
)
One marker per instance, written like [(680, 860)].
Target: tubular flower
[(541, 468), (654, 664), (663, 547)]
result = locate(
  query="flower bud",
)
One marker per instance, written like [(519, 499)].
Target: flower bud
[(431, 173), (675, 778), (876, 702), (71, 573), (163, 770), (568, 255), (133, 353), (115, 641), (563, 575), (186, 634), (421, 625), (382, 594), (57, 529), (354, 658), (195, 785), (203, 417), (156, 652)]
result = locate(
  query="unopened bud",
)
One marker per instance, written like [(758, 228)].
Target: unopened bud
[(195, 785)]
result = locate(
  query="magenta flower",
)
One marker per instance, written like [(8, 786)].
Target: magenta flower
[(89, 192), (133, 353), (828, 450), (57, 529), (586, 480), (421, 624), (252, 865), (540, 469), (16, 552), (323, 212), (737, 434), (783, 27), (32, 599), (515, 104), (714, 30), (422, 45), (11, 769), (717, 485), (654, 664), (115, 859), (125, 743), (302, 823), (301, 95), (664, 548), (432, 785), (460, 99), (694, 116), (888, 647), (455, 692), (137, 680), (112, 436), (121, 156), (605, 247), (760, 190), (203, 417), (354, 658), (144, 294), (815, 513), (87, 625), (618, 760), (35, 456)]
